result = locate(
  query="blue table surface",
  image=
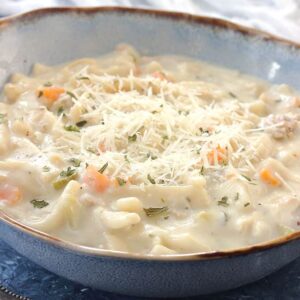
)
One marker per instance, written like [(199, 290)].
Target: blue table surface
[(25, 278)]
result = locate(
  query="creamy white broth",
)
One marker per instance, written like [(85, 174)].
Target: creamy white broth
[(155, 155)]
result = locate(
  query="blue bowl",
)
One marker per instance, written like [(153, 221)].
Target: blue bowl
[(53, 36)]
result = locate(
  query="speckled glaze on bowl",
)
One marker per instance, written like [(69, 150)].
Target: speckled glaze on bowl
[(53, 36)]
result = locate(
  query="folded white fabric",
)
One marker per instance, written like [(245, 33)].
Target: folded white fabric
[(280, 17)]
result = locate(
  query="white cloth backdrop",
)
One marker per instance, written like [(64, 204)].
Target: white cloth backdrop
[(280, 17)]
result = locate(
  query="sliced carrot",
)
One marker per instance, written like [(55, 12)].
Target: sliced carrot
[(220, 153), (267, 177), (95, 180), (52, 93), (10, 194)]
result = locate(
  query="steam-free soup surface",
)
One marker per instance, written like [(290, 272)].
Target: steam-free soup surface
[(154, 155)]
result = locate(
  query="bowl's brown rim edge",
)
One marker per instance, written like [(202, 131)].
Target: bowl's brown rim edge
[(209, 21), (191, 18)]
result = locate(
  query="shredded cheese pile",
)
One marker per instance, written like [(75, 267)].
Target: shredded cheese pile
[(145, 127)]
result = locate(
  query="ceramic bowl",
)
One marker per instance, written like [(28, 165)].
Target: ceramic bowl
[(53, 36)]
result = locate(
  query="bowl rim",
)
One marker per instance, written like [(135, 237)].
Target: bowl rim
[(190, 18), (166, 14)]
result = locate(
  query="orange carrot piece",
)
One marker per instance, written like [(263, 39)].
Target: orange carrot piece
[(220, 153), (52, 93), (267, 177), (95, 180), (10, 194)]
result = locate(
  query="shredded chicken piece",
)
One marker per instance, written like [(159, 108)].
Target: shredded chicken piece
[(280, 126)]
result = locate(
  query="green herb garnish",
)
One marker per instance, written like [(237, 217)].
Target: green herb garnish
[(132, 138), (75, 162), (2, 118), (164, 138), (150, 155), (65, 176), (237, 196), (232, 95), (224, 163), (155, 211), (121, 181), (46, 169), (60, 110), (68, 172), (39, 203), (103, 168), (40, 94), (83, 78), (92, 150), (246, 204), (126, 158), (204, 130), (81, 123), (71, 95), (71, 128), (61, 182), (48, 83), (90, 96), (202, 171), (150, 179), (248, 179), (223, 201)]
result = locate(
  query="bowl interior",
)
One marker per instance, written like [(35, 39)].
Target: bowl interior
[(58, 35)]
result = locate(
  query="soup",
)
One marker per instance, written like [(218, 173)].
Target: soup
[(155, 155)]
